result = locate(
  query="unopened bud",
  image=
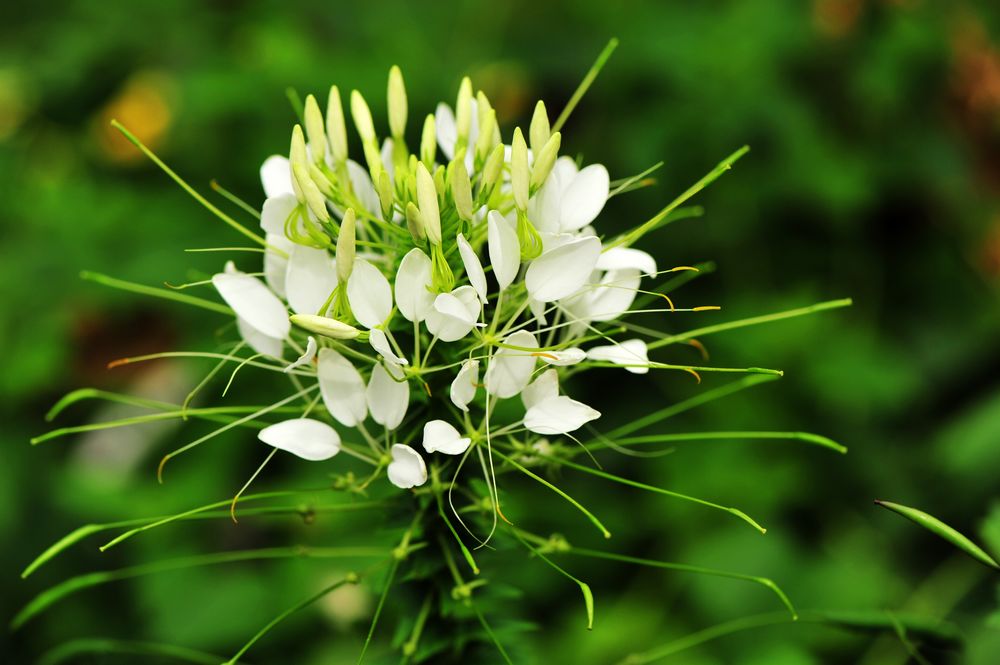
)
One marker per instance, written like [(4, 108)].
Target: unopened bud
[(362, 118), (544, 160), (519, 170), (427, 199), (491, 172), (397, 103), (336, 130), (310, 191), (322, 325), (428, 142), (345, 247), (385, 194), (461, 189), (313, 118), (539, 131), (463, 113), (414, 223), (297, 154), (488, 134)]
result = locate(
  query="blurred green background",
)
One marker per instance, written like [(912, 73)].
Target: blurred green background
[(874, 173)]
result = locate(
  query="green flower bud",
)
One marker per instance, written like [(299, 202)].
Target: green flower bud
[(336, 130), (463, 113), (362, 118), (461, 189), (442, 277), (544, 160), (322, 325), (440, 175), (385, 194), (297, 155), (484, 106), (414, 223), (345, 247), (310, 191), (397, 103), (528, 238), (314, 129), (519, 170), (428, 142), (488, 136), (539, 131), (491, 173), (427, 199)]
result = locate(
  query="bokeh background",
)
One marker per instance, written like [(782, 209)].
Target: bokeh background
[(874, 173)]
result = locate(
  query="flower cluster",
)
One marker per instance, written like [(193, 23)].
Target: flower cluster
[(426, 286)]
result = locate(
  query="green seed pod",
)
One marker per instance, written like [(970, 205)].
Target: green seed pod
[(939, 528)]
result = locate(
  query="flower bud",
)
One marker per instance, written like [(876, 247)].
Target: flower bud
[(440, 177), (297, 155), (463, 113), (544, 160), (487, 135), (362, 118), (414, 223), (322, 325), (461, 189), (310, 191), (313, 118), (483, 107), (397, 103), (428, 142), (427, 201), (519, 170), (528, 238), (491, 173), (336, 131), (539, 131), (345, 246), (385, 194)]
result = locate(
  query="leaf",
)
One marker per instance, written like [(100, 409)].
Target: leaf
[(936, 526)]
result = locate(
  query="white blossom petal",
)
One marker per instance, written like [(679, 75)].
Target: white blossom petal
[(614, 296), (632, 353), (364, 190), (504, 249), (442, 437), (258, 341), (463, 387), (445, 129), (541, 389), (276, 211), (276, 176), (413, 282), (622, 258), (585, 197), (473, 267), (407, 468), (563, 357), (537, 310), (377, 338), (254, 303), (276, 265), (307, 438), (342, 388), (450, 328), (510, 369), (387, 398), (558, 415), (562, 271), (311, 278), (369, 293), (306, 357)]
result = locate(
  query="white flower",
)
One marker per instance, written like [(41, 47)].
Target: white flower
[(413, 286), (387, 397), (441, 437), (562, 271), (563, 357), (570, 199), (307, 438), (342, 388), (473, 267), (311, 278), (463, 387), (550, 413), (504, 249), (453, 315), (369, 293), (626, 258), (510, 369), (377, 338), (276, 176), (631, 353), (407, 468), (306, 357), (447, 131), (260, 315)]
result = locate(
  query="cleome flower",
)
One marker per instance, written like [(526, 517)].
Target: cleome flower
[(469, 272)]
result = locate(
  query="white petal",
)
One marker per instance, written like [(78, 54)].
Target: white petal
[(441, 437), (585, 197), (450, 305), (558, 415), (563, 357), (563, 172), (369, 293), (276, 265), (562, 271), (364, 190), (258, 341), (276, 176), (449, 328), (621, 258), (311, 278), (445, 129), (544, 387), (342, 388), (463, 388), (407, 468), (510, 369), (306, 357), (276, 211), (254, 303), (631, 353), (473, 267), (504, 249), (309, 439), (615, 297), (386, 154), (544, 207), (387, 398), (537, 310), (380, 343), (413, 281)]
